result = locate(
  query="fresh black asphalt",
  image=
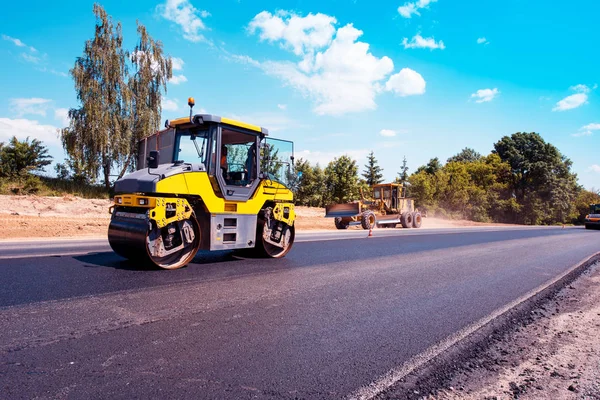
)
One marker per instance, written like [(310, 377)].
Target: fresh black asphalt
[(331, 317)]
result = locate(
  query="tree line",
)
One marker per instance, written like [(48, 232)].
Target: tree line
[(524, 180)]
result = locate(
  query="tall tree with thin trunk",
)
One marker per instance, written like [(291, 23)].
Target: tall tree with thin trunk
[(372, 173), (116, 109), (98, 131), (403, 174), (152, 71)]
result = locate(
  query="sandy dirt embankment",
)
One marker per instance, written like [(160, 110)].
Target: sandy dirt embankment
[(68, 216)]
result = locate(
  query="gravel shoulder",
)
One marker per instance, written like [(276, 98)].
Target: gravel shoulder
[(555, 354)]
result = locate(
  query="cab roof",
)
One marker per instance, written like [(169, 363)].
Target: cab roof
[(204, 118)]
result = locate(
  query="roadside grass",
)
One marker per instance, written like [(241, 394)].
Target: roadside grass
[(47, 186)]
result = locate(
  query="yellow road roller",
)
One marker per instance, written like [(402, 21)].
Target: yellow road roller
[(205, 183)]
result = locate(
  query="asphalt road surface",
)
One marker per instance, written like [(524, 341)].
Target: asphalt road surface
[(339, 312)]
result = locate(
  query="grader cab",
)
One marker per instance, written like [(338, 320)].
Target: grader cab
[(205, 182), (386, 206)]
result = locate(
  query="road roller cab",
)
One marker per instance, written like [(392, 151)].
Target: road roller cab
[(205, 182)]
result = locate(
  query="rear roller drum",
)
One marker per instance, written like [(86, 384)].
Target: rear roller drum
[(274, 239)]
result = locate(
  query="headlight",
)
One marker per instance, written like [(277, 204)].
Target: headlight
[(119, 200), (143, 202)]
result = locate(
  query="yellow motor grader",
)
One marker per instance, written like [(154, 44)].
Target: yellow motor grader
[(387, 206), (205, 182)]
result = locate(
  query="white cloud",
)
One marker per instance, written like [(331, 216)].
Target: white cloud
[(282, 106), (324, 157), (587, 130), (177, 63), (34, 106), (301, 34), (571, 102), (184, 14), (29, 58), (419, 42), (62, 115), (482, 40), (582, 133), (406, 83), (178, 79), (410, 9), (243, 59), (387, 132), (335, 70), (18, 43), (592, 127), (580, 88), (23, 128), (170, 105), (485, 95), (594, 168)]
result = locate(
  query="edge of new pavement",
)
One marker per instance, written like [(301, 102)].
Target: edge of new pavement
[(429, 371)]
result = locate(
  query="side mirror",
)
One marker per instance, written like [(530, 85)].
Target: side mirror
[(153, 159)]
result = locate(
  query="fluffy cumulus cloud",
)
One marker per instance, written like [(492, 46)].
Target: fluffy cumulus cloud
[(334, 69), (177, 63), (387, 132), (482, 40), (419, 42), (591, 127), (412, 8), (29, 106), (184, 14), (62, 115), (25, 128), (580, 88), (571, 102), (594, 168), (303, 35), (575, 100), (177, 79), (406, 83), (170, 104), (485, 95), (587, 130)]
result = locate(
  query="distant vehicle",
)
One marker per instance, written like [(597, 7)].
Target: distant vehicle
[(387, 207), (592, 220)]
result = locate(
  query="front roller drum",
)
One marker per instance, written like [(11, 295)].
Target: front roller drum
[(140, 240)]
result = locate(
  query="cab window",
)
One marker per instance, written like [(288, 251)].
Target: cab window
[(192, 146), (238, 157)]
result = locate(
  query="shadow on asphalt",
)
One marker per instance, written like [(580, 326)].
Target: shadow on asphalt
[(110, 259)]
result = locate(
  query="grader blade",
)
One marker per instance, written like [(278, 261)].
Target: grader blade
[(342, 210)]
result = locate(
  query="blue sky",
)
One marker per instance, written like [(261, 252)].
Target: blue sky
[(420, 78)]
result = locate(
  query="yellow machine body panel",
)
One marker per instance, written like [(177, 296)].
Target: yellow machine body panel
[(198, 183)]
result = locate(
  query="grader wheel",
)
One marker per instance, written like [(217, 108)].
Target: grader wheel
[(417, 219), (340, 224), (368, 220), (406, 220)]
